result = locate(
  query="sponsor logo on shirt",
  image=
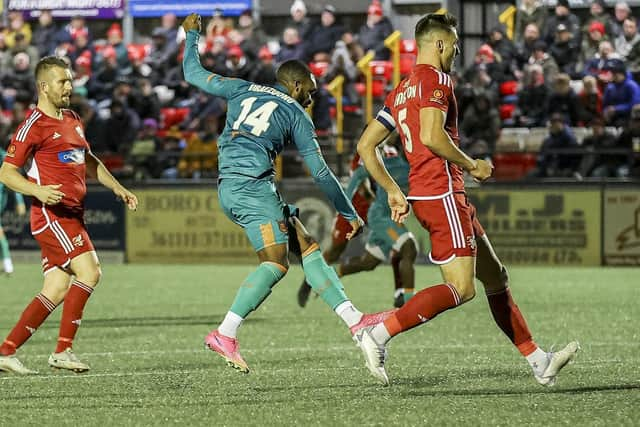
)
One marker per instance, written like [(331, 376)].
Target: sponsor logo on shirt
[(75, 156), (11, 151)]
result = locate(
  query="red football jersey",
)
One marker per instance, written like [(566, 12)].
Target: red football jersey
[(52, 151), (430, 176)]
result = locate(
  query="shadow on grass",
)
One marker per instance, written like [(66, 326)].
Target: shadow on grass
[(147, 321)]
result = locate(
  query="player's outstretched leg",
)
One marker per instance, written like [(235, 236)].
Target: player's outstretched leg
[(424, 306), (7, 264), (254, 290), (510, 320), (86, 268), (325, 282), (53, 291), (330, 255)]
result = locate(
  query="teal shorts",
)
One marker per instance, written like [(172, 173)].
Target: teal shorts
[(256, 206), (386, 235)]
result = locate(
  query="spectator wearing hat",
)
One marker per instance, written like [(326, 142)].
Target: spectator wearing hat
[(82, 71), (541, 57), (502, 46), (299, 20), (552, 162), (264, 71), (486, 60), (562, 15), (76, 26), (596, 162), (533, 99), (563, 99), (530, 12), (596, 65), (628, 39), (620, 95), (103, 81), (373, 33), (622, 11), (565, 50), (589, 100), (597, 13), (326, 34), (291, 46), (44, 35), (237, 65), (114, 38), (524, 48), (81, 47), (591, 42)]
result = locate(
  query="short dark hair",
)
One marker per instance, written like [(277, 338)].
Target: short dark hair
[(48, 62), (435, 21), (292, 71)]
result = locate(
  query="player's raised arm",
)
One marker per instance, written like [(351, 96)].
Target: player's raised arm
[(435, 137), (374, 134), (97, 170), (194, 72)]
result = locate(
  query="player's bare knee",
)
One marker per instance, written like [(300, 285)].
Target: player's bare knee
[(90, 277), (306, 241)]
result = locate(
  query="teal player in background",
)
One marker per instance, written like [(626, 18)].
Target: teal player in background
[(260, 121), (7, 264), (387, 238)]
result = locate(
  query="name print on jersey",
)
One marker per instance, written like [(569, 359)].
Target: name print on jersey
[(402, 97)]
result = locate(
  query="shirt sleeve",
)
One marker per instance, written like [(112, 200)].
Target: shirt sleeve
[(358, 177), (197, 75), (436, 91), (304, 137), (21, 146)]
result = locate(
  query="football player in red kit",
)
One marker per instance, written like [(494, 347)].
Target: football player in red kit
[(51, 147), (424, 111)]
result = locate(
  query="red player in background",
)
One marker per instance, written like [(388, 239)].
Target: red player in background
[(51, 146)]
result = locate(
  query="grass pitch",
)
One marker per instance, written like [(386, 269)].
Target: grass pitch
[(143, 332)]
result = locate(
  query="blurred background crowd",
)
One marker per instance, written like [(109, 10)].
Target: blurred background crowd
[(570, 81)]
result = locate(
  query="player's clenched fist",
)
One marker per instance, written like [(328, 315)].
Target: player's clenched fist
[(482, 171), (192, 22), (127, 197), (49, 194)]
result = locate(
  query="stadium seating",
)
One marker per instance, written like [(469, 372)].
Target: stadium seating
[(513, 166)]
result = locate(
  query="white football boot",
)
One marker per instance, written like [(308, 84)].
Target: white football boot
[(67, 360), (557, 361), (374, 355), (13, 364)]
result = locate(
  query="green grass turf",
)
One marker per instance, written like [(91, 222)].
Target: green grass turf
[(144, 327)]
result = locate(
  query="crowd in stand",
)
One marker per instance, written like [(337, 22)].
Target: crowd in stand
[(556, 72)]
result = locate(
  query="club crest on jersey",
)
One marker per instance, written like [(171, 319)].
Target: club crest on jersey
[(75, 156), (80, 132), (78, 241), (11, 151), (437, 96)]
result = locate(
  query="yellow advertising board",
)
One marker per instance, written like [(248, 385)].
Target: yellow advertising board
[(622, 227), (541, 227), (184, 226)]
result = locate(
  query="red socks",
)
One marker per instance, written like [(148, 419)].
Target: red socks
[(508, 318), (74, 303), (425, 305), (32, 317)]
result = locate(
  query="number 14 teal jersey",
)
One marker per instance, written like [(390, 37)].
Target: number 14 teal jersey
[(260, 121)]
